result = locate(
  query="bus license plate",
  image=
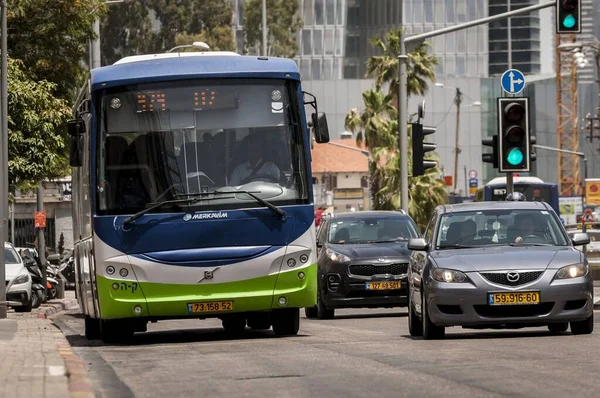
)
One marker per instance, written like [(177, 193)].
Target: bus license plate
[(383, 285), (520, 298), (213, 306)]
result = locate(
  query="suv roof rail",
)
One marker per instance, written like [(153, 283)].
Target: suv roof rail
[(402, 211)]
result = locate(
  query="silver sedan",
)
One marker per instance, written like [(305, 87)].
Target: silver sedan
[(498, 265)]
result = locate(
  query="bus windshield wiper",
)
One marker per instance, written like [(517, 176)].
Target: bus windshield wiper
[(278, 211), (190, 198)]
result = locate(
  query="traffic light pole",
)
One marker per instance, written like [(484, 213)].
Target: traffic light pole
[(409, 44)]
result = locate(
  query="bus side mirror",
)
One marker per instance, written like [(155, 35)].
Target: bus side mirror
[(76, 130), (319, 122)]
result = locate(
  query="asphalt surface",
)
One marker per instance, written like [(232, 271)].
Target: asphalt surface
[(361, 353)]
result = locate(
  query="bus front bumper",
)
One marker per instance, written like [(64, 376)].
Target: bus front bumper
[(126, 299)]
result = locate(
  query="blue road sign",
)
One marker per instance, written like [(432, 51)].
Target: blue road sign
[(512, 81), (473, 182)]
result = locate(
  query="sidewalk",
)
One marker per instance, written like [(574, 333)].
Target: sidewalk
[(37, 360), (596, 294)]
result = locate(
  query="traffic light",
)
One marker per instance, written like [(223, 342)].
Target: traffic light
[(491, 157), (513, 129), (419, 148), (568, 16)]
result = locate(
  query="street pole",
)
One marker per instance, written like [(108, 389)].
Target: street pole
[(40, 235), (457, 101), (264, 27), (403, 124), (412, 42), (4, 164), (96, 45)]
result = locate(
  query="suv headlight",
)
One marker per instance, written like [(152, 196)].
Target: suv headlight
[(572, 271), (448, 275), (337, 257), (21, 279)]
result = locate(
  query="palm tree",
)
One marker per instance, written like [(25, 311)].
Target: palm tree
[(377, 127), (374, 127), (420, 67)]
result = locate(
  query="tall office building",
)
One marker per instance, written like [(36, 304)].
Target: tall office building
[(460, 54), (590, 32), (334, 42), (519, 46)]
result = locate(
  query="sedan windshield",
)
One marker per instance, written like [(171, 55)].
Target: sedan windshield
[(172, 140), (11, 256), (499, 227), (370, 230)]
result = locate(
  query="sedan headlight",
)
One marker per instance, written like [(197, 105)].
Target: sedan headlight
[(337, 257), (21, 279), (572, 271), (448, 275)]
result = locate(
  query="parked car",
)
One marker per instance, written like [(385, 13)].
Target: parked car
[(362, 261), (524, 271), (18, 281)]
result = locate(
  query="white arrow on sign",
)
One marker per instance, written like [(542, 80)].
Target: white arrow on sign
[(513, 81)]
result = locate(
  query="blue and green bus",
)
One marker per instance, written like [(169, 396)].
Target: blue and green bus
[(192, 194)]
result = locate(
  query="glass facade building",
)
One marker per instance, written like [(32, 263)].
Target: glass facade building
[(334, 42), (521, 41)]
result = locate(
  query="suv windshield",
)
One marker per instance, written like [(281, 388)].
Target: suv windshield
[(169, 140), (371, 230), (11, 256), (499, 227)]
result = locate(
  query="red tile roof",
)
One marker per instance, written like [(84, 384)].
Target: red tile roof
[(339, 156)]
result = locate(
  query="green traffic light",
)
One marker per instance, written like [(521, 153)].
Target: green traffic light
[(515, 157), (569, 21)]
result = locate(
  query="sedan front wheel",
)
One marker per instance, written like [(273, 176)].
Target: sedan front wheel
[(430, 330), (583, 327)]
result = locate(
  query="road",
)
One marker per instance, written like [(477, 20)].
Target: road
[(361, 353)]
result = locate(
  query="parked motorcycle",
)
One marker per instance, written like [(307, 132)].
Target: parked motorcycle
[(38, 292)]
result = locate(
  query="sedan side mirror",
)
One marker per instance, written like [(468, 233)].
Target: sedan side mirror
[(418, 244), (580, 239), (319, 244)]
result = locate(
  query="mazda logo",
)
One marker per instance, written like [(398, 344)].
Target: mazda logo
[(513, 276)]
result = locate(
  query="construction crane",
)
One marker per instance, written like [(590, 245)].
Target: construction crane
[(569, 177)]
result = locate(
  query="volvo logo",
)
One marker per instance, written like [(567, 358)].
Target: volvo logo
[(513, 276), (208, 274)]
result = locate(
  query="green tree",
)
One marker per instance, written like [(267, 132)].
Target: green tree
[(210, 18), (36, 143), (126, 30), (219, 39), (283, 23), (377, 126), (420, 67), (51, 37)]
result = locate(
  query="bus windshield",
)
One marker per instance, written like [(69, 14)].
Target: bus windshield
[(532, 192), (165, 141)]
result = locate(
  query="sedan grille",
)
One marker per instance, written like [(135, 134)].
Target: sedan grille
[(503, 278), (370, 269)]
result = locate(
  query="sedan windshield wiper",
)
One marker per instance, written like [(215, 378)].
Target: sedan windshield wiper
[(278, 211), (191, 198), (457, 246)]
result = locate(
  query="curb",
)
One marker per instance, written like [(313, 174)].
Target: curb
[(80, 384), (47, 309)]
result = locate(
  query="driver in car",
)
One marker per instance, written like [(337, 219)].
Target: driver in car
[(256, 168), (526, 226)]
